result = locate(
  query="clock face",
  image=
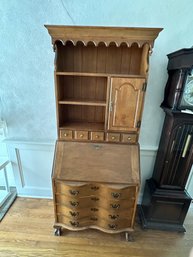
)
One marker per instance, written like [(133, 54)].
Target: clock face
[(188, 93)]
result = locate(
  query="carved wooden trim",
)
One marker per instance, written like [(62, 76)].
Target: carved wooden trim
[(106, 35)]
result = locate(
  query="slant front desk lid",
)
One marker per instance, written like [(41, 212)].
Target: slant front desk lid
[(104, 163)]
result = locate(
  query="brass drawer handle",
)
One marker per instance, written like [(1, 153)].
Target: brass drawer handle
[(113, 138), (112, 226), (74, 192), (115, 195), (73, 213), (113, 217), (95, 199), (94, 218), (65, 134), (97, 136), (95, 188), (74, 223), (81, 135), (115, 206), (75, 204), (129, 138), (94, 209)]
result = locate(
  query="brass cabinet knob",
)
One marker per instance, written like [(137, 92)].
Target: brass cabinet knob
[(113, 217), (112, 226), (73, 213), (112, 137), (129, 138), (74, 192), (116, 195), (94, 209), (65, 134), (95, 199), (97, 136), (94, 218), (74, 223), (115, 206), (74, 204), (81, 135), (95, 188)]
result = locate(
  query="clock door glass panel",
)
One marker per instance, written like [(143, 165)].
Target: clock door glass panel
[(187, 94), (178, 156)]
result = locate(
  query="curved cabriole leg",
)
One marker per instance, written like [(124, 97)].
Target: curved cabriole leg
[(57, 231), (129, 237)]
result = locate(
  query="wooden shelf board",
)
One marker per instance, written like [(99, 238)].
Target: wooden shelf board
[(83, 102), (89, 74), (92, 126)]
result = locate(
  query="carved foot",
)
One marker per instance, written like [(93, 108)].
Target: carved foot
[(57, 231), (129, 237)]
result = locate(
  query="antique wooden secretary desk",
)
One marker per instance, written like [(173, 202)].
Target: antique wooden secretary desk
[(100, 83)]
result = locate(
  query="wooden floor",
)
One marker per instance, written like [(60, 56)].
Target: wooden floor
[(26, 231)]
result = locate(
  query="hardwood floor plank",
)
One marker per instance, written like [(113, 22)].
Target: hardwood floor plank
[(27, 231)]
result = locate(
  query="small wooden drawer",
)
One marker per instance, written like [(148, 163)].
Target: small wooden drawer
[(75, 203), (81, 135), (117, 193), (129, 138), (65, 134), (73, 214), (76, 190), (97, 136), (113, 137)]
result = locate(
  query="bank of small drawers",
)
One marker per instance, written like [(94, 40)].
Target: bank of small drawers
[(98, 136), (97, 205)]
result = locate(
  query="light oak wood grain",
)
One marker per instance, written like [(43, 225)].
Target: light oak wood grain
[(26, 231)]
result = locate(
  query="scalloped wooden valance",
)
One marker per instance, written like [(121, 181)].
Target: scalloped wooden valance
[(106, 35)]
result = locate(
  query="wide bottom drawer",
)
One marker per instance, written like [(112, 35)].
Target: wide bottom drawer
[(94, 221)]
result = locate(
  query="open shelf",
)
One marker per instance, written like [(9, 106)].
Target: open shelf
[(81, 116), (83, 102), (79, 90), (101, 59), (91, 74), (89, 126)]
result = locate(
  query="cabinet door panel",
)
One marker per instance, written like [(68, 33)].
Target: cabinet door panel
[(126, 101)]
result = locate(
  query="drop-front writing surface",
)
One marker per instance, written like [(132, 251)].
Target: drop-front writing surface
[(106, 163)]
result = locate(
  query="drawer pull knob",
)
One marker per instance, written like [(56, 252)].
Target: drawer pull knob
[(95, 188), (112, 226), (113, 217), (95, 199), (94, 209), (74, 192), (115, 206), (129, 138), (75, 204), (65, 134), (94, 218), (112, 137), (97, 136), (74, 223), (74, 214), (81, 135), (116, 195)]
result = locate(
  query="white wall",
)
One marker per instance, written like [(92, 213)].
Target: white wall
[(26, 65)]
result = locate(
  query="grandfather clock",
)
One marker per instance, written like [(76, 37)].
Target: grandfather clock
[(165, 201)]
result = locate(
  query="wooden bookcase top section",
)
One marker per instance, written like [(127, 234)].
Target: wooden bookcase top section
[(106, 35), (102, 163)]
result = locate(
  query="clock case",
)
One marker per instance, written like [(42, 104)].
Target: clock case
[(165, 201), (179, 68)]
